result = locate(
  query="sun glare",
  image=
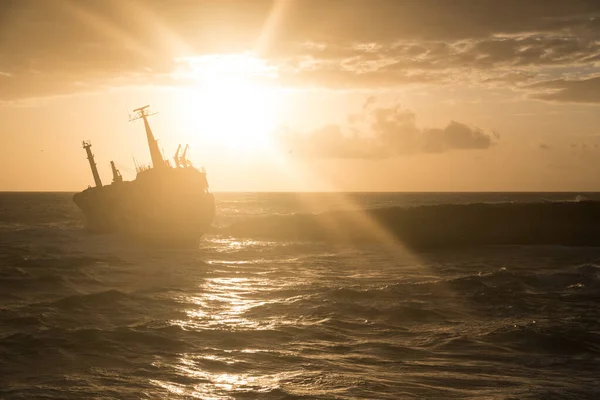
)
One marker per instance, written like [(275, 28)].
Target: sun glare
[(227, 104)]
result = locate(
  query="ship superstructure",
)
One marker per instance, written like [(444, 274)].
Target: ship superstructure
[(164, 202)]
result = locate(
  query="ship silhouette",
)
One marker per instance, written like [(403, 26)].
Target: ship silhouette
[(165, 202)]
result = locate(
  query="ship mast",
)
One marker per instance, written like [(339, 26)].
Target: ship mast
[(157, 159), (88, 149)]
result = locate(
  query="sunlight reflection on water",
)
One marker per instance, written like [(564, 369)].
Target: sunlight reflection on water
[(250, 287), (225, 245), (222, 304), (218, 385)]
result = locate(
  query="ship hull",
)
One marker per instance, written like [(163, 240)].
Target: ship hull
[(170, 205)]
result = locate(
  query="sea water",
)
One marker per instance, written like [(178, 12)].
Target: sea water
[(86, 316)]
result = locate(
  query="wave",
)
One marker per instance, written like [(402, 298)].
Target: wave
[(505, 293), (540, 223), (57, 262)]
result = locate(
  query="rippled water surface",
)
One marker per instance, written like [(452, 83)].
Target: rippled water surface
[(96, 316)]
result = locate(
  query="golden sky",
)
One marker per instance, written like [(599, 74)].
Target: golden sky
[(346, 95)]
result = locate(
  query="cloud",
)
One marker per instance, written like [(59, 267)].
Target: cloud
[(382, 132), (564, 90), (352, 21), (456, 136), (329, 142), (48, 46), (544, 146), (514, 60)]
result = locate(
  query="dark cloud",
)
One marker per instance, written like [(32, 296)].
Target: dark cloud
[(381, 132), (544, 146), (457, 136), (386, 21), (514, 60), (564, 90), (337, 78), (54, 47), (527, 49)]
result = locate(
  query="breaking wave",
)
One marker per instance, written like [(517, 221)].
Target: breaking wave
[(571, 222)]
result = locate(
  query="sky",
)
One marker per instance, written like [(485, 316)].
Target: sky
[(310, 95)]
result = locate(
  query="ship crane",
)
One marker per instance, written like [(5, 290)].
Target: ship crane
[(176, 156), (184, 161), (117, 178), (181, 161)]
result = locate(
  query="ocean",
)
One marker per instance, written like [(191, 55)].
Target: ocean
[(88, 316)]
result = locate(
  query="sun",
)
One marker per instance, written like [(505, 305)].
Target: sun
[(239, 116), (226, 106)]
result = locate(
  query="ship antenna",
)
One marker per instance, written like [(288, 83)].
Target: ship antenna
[(176, 157), (157, 158), (135, 163)]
